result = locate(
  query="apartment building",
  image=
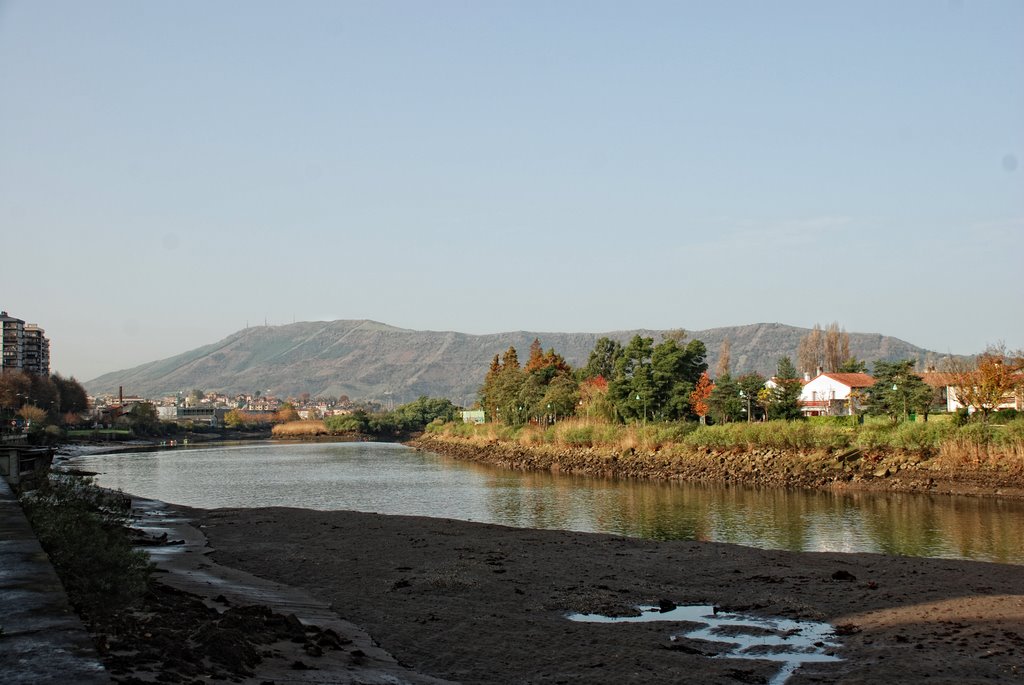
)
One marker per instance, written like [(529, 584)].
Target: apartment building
[(23, 347)]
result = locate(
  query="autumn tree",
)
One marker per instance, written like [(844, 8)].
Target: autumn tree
[(34, 415), (594, 400), (699, 397), (836, 347), (14, 389), (992, 380), (810, 353), (536, 359), (724, 359)]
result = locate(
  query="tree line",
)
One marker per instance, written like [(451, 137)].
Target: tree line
[(639, 381), (40, 399), (668, 381)]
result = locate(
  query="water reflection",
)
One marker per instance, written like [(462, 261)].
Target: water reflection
[(396, 480)]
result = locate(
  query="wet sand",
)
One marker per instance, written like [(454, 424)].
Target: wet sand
[(480, 603)]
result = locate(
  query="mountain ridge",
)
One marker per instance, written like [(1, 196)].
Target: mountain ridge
[(368, 359)]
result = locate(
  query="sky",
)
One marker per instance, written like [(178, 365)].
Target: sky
[(173, 172)]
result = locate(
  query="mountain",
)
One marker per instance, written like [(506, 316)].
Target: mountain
[(371, 360)]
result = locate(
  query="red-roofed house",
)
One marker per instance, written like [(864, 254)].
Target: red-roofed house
[(829, 393)]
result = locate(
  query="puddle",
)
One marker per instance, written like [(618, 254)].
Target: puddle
[(738, 636)]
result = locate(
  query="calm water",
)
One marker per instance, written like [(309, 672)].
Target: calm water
[(393, 479)]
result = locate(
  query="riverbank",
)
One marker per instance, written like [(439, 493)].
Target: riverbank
[(479, 603), (846, 468)]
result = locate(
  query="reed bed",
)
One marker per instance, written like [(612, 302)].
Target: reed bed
[(299, 429)]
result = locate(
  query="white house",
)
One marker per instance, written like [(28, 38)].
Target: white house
[(829, 393), (946, 383)]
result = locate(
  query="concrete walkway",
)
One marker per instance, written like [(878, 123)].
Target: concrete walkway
[(42, 640)]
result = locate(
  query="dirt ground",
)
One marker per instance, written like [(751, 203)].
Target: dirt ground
[(479, 603)]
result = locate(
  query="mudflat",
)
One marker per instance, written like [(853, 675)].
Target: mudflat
[(479, 603)]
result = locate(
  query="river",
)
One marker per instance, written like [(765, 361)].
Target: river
[(394, 479)]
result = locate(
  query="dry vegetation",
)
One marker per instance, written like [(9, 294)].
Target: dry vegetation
[(973, 445), (300, 429)]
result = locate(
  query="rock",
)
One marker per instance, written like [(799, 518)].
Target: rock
[(666, 605), (843, 575)]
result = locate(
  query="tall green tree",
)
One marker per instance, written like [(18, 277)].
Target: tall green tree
[(785, 397), (676, 371), (898, 391), (632, 388), (602, 359), (750, 385), (71, 394), (724, 403)]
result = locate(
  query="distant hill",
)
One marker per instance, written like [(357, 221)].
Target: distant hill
[(371, 360)]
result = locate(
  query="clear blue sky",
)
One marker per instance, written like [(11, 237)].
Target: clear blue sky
[(172, 170)]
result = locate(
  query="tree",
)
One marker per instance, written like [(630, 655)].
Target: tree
[(853, 365), (699, 397), (810, 354), (501, 386), (990, 381), (898, 390), (43, 393), (676, 370), (836, 347), (750, 385), (35, 416), (536, 360), (724, 359), (414, 416), (785, 397), (143, 418), (561, 396), (724, 402), (594, 400), (632, 388), (602, 359), (71, 395), (14, 389)]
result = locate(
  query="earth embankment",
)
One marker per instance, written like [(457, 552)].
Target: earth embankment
[(848, 469)]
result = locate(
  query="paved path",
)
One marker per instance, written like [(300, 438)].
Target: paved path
[(43, 641)]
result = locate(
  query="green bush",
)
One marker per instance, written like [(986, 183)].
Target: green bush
[(84, 531)]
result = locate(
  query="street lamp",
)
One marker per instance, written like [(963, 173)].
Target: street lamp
[(645, 406), (747, 397)]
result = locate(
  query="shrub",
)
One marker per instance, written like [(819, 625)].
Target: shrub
[(84, 531)]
